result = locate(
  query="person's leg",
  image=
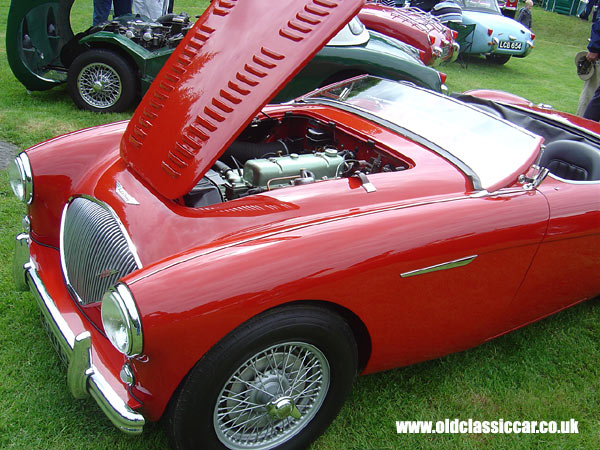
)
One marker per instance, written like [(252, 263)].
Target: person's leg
[(122, 7), (101, 10), (592, 111), (588, 10)]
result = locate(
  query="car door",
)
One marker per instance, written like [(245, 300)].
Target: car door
[(566, 268), (453, 273)]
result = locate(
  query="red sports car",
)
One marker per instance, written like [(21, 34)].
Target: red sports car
[(415, 27), (508, 7), (232, 266)]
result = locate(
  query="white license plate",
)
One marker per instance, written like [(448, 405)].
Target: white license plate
[(510, 45)]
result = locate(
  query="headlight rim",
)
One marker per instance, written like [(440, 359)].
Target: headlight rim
[(23, 168), (123, 299)]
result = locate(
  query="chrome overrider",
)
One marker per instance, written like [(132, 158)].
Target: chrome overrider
[(529, 46), (83, 378), (455, 52), (494, 44)]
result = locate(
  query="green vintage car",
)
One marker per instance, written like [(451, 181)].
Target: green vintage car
[(109, 67), (356, 51)]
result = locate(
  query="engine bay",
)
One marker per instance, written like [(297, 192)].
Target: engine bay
[(291, 151), (165, 32)]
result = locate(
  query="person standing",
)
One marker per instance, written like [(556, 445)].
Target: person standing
[(424, 5), (588, 10), (447, 11), (151, 8), (102, 9), (592, 111), (524, 16)]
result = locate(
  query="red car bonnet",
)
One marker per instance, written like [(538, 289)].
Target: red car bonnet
[(230, 64)]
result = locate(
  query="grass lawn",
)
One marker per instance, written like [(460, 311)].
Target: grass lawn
[(547, 371), (547, 75)]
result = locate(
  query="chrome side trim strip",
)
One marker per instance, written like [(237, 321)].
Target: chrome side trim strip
[(82, 376), (443, 266)]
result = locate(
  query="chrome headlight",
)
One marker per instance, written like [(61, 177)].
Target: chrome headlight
[(121, 320), (21, 180)]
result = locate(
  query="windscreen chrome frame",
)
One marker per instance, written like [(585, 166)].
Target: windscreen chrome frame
[(469, 172)]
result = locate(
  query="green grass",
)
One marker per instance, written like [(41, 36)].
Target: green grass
[(547, 75), (547, 371)]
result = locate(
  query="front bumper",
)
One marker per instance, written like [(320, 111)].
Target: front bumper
[(83, 377)]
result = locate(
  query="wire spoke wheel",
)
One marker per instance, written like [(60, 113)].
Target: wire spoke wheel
[(272, 396), (99, 85), (274, 382), (102, 80)]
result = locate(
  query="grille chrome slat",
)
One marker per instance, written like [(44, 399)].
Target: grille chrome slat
[(95, 249)]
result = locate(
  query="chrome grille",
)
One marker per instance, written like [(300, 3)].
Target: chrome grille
[(94, 248)]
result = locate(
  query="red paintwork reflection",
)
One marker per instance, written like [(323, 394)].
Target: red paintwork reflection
[(61, 165), (571, 247), (428, 315)]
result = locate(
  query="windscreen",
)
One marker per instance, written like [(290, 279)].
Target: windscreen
[(493, 149), (480, 5)]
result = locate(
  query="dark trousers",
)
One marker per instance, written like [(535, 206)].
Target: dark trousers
[(102, 9), (592, 111), (588, 10)]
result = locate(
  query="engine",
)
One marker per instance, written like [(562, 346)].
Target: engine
[(257, 175), (166, 32), (253, 166)]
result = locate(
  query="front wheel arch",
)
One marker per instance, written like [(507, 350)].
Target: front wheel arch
[(190, 421), (362, 337)]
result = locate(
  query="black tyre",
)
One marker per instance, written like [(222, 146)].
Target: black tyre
[(276, 381), (102, 80), (498, 59)]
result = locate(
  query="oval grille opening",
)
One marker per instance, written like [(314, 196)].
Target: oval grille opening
[(95, 251)]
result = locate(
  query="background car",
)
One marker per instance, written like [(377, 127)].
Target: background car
[(299, 243), (491, 28), (356, 51), (106, 67), (415, 27), (109, 67), (508, 7)]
